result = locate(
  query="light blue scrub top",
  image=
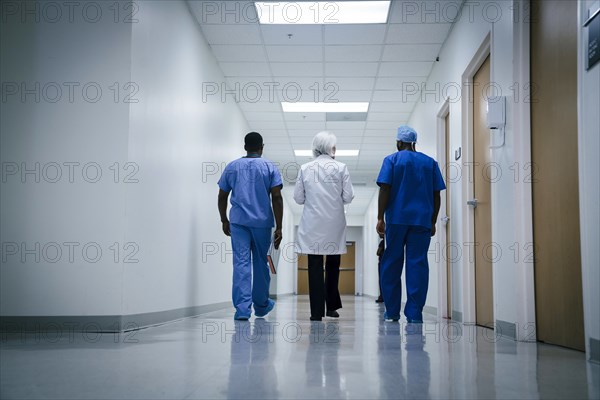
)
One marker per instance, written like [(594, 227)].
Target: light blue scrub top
[(413, 177), (250, 180)]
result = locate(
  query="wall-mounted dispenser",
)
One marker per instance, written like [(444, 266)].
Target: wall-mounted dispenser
[(496, 116)]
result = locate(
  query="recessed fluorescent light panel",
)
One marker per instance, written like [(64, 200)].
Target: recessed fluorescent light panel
[(323, 12), (338, 153), (325, 107), (303, 153)]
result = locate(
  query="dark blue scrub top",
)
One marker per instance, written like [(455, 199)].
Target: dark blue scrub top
[(250, 179), (413, 177)]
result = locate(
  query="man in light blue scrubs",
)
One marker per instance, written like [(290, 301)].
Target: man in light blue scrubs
[(409, 196), (255, 184)]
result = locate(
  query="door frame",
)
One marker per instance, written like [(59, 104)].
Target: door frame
[(525, 290), (468, 218), (442, 152), (523, 205)]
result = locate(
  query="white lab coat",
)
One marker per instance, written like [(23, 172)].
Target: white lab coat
[(323, 186)]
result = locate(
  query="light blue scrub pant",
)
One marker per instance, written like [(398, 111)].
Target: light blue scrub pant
[(250, 247), (410, 242)]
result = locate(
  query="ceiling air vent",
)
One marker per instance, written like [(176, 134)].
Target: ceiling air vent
[(344, 116)]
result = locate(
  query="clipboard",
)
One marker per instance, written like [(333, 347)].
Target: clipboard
[(273, 257)]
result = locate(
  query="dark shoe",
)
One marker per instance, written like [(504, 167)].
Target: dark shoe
[(332, 314), (315, 318), (379, 300)]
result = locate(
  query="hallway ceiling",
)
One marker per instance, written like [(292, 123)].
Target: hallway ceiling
[(358, 62)]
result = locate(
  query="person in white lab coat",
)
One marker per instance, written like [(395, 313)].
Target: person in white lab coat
[(324, 187)]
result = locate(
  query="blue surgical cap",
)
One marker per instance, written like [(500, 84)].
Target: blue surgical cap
[(406, 134)]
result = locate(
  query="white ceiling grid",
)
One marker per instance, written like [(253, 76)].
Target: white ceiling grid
[(360, 62)]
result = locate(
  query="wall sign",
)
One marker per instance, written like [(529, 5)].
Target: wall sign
[(593, 48)]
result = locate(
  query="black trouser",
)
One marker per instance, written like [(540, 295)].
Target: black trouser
[(322, 292)]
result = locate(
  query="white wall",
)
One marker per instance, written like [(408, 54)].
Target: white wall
[(355, 234), (370, 244), (283, 282), (58, 129), (185, 260), (589, 186), (171, 136)]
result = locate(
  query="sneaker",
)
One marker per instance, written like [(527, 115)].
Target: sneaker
[(332, 314), (241, 317), (390, 319), (316, 318), (379, 300), (267, 311)]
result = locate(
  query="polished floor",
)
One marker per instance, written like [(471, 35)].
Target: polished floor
[(286, 356)]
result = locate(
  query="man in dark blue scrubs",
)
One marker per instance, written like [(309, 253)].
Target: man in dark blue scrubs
[(409, 196)]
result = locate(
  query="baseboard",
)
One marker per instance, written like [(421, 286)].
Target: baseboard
[(506, 329), (595, 350), (101, 323), (457, 316), (430, 310), (280, 296)]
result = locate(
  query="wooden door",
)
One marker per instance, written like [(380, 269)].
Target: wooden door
[(484, 296), (347, 271), (555, 188)]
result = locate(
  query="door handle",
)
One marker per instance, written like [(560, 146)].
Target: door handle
[(445, 220), (472, 203)]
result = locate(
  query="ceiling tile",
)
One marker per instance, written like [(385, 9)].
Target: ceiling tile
[(417, 33), (345, 125), (405, 68), (296, 69), (409, 83), (301, 34), (234, 12), (264, 116), (346, 131), (304, 117), (295, 53), (391, 95), (425, 11), (354, 83), (387, 116), (302, 132), (348, 142), (354, 34), (389, 125), (351, 69), (310, 125), (275, 136), (351, 95), (231, 34), (340, 53), (266, 125), (391, 107), (380, 135), (228, 52), (248, 107), (411, 52), (245, 69)]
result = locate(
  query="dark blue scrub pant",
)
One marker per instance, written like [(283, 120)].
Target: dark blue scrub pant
[(410, 242), (250, 247)]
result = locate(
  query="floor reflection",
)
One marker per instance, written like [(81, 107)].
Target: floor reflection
[(251, 368)]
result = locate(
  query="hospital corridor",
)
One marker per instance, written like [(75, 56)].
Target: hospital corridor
[(351, 199)]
